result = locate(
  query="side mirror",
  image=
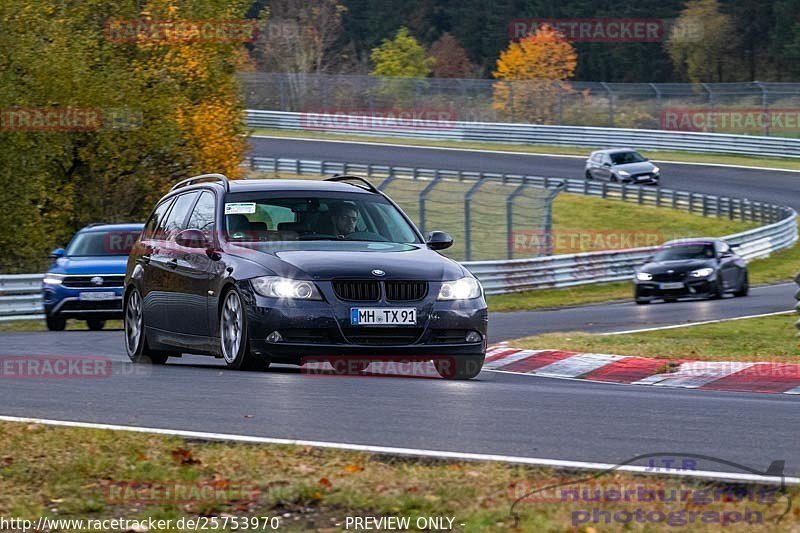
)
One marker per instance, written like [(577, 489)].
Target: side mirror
[(57, 253), (192, 238), (439, 240), (606, 164)]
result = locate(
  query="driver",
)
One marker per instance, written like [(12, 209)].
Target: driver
[(344, 219)]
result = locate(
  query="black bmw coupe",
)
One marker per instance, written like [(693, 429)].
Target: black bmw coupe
[(261, 271), (691, 268)]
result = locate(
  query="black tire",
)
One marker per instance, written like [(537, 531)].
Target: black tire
[(670, 300), (55, 323), (718, 291), (588, 175), (613, 178), (641, 301), (95, 324), (459, 366), (135, 335), (234, 340), (744, 289)]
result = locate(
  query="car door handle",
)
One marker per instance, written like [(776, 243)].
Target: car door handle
[(172, 263)]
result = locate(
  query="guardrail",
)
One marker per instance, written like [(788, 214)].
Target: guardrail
[(20, 294), (503, 276), (535, 134), (20, 297)]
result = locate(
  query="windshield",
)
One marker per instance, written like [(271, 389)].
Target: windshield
[(102, 243), (315, 218), (685, 251), (623, 158)]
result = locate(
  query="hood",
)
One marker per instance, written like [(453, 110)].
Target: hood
[(684, 265), (636, 168), (326, 260), (112, 264)]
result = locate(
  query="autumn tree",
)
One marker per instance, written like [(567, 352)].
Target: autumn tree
[(297, 36), (451, 60), (702, 42), (168, 109), (401, 57), (533, 73)]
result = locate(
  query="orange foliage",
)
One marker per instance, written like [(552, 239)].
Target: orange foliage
[(533, 71)]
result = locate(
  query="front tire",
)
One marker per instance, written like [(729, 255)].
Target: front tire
[(95, 324), (744, 289), (234, 343), (588, 175), (135, 339), (459, 366), (55, 323)]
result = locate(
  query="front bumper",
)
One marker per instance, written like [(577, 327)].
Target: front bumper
[(691, 288), (649, 179), (73, 303), (319, 328)]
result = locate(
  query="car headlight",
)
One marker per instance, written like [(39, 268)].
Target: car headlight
[(278, 287), (656, 170), (644, 276), (623, 173), (53, 279), (701, 272), (460, 289)]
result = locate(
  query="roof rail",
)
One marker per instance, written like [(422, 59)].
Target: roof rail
[(343, 177), (196, 179), (93, 224)]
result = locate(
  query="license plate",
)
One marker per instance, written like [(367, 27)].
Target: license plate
[(644, 177), (95, 296), (392, 316), (677, 285)]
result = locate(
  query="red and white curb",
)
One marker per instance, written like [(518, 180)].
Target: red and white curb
[(766, 377)]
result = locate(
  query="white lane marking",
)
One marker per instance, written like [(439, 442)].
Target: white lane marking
[(695, 374), (503, 361), (511, 152), (577, 365), (690, 324), (464, 456)]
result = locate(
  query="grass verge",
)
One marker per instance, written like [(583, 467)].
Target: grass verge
[(98, 474), (771, 338), (673, 156)]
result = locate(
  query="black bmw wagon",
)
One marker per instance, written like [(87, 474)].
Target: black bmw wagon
[(263, 271)]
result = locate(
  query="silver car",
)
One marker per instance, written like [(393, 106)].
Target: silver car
[(622, 164)]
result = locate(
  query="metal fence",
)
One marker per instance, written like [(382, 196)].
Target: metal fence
[(20, 295), (779, 229), (534, 134), (752, 107), (482, 211)]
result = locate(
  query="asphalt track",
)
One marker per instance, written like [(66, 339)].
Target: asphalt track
[(497, 413), (523, 416)]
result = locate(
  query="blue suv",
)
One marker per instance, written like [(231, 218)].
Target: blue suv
[(85, 281)]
